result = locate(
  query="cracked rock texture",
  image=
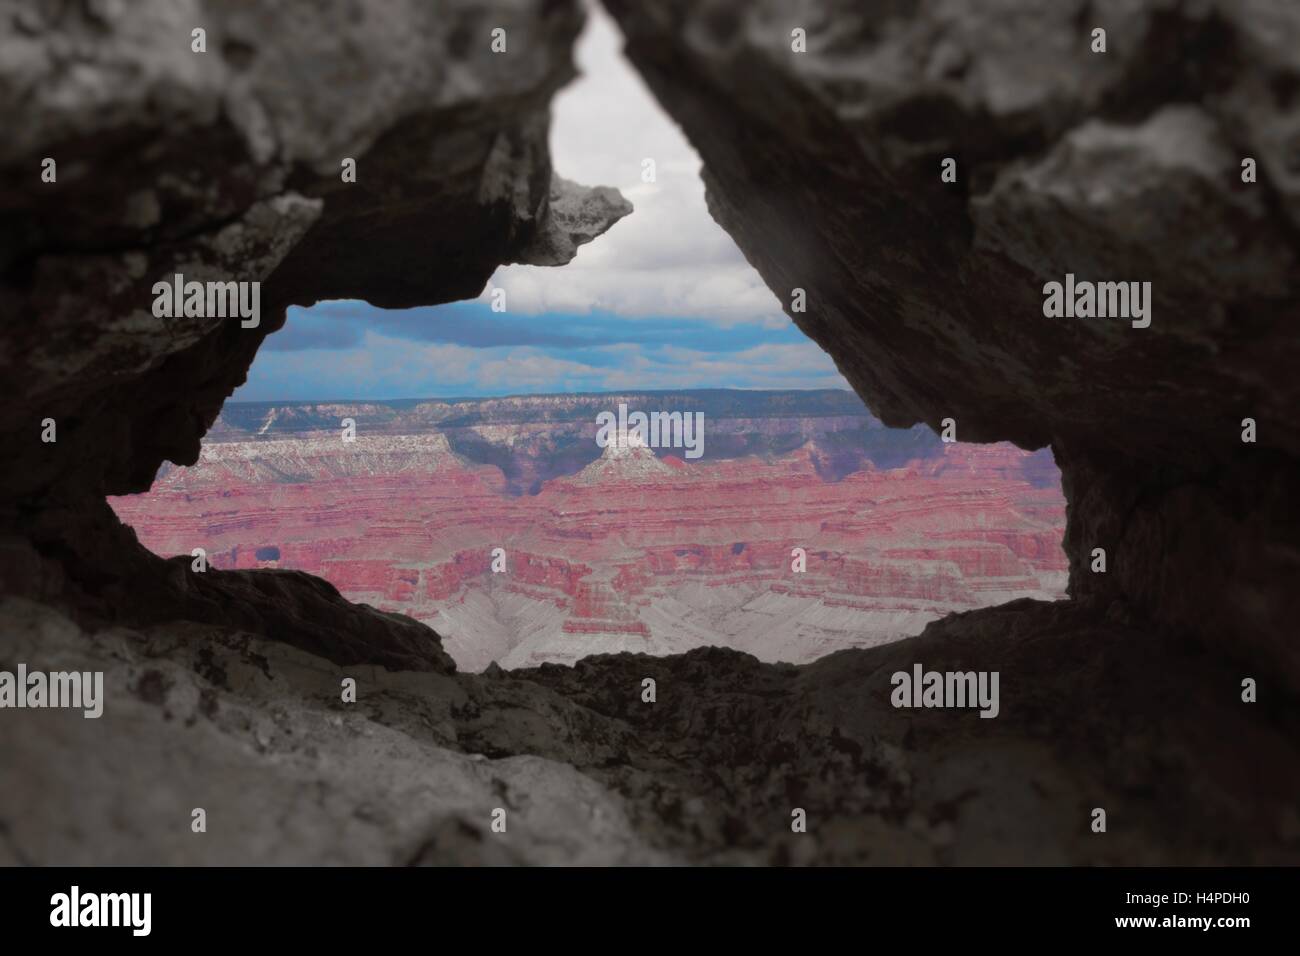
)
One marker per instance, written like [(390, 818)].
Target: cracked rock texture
[(254, 732), (226, 165), (256, 735), (223, 688), (1123, 166)]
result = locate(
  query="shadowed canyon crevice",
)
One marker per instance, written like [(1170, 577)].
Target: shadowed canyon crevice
[(222, 688)]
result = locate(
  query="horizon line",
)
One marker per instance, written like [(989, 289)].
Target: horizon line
[(487, 398)]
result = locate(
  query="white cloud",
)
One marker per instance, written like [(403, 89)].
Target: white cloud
[(669, 258)]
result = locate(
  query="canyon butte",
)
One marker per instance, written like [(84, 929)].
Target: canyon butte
[(222, 688)]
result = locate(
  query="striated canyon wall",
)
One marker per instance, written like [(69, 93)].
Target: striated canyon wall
[(625, 549)]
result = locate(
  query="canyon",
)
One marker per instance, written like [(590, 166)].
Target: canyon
[(823, 168), (614, 548)]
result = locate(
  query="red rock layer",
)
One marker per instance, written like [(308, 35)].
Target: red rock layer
[(633, 551)]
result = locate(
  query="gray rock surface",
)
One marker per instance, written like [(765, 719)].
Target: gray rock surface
[(1092, 714), (1118, 166), (227, 165), (255, 734)]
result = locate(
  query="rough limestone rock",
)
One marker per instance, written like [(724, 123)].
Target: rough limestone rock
[(1118, 166), (223, 692), (229, 165), (256, 733)]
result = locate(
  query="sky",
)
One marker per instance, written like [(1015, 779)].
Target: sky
[(662, 300)]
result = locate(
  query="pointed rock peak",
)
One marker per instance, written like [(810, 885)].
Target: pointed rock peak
[(573, 215), (627, 445), (628, 457)]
